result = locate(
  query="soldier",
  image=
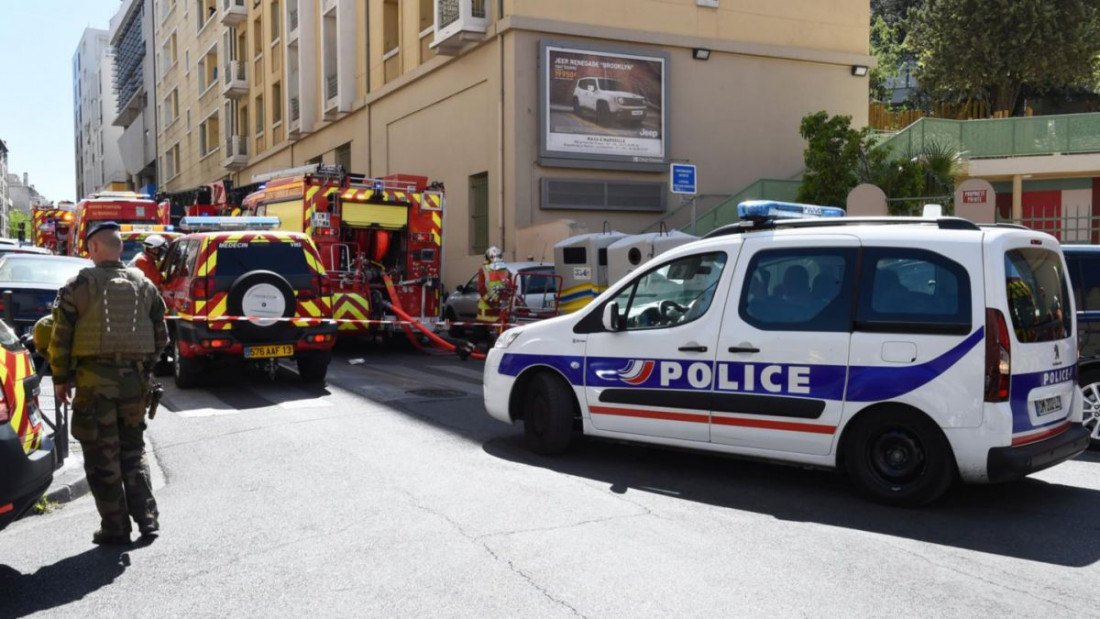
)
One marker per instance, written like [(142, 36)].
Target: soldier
[(109, 330)]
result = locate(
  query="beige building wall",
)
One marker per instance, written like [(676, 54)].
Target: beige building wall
[(449, 118)]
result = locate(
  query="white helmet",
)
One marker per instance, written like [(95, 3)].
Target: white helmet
[(493, 254), (154, 243)]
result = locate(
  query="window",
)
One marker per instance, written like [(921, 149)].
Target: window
[(575, 255), (479, 213), (172, 162), (257, 37), (1036, 288), (169, 51), (1085, 275), (259, 114), (427, 14), (276, 103), (343, 156), (208, 135), (390, 26), (913, 291), (799, 290), (672, 294), (171, 107), (274, 21)]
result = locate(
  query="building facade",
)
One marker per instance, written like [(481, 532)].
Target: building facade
[(542, 118), (132, 46), (23, 194), (5, 195), (98, 162)]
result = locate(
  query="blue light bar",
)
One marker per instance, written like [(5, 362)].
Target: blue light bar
[(205, 223), (762, 210)]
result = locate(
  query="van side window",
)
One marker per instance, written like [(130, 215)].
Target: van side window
[(672, 294), (913, 291), (1088, 271), (799, 290), (1037, 293)]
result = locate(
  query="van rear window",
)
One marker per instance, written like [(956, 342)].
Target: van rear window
[(284, 258), (1037, 295)]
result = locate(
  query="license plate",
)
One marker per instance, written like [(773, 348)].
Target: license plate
[(636, 113), (268, 352), (1046, 406)]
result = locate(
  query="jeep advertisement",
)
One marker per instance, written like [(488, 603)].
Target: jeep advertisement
[(603, 105)]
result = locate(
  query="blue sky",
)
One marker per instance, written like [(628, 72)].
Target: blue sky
[(37, 42)]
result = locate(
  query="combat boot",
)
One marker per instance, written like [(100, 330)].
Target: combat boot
[(150, 528), (104, 538)]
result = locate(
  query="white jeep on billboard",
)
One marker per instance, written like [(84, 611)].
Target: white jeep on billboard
[(609, 100)]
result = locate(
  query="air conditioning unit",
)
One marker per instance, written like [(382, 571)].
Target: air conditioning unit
[(459, 23)]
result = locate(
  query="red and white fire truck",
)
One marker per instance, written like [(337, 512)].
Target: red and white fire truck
[(51, 225), (123, 207), (380, 239)]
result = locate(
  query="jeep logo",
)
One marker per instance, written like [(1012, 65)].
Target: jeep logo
[(649, 133)]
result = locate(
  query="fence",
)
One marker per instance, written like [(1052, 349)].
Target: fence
[(1076, 226), (1002, 137), (883, 117), (725, 212)]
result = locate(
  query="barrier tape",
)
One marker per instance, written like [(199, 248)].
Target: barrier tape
[(320, 321)]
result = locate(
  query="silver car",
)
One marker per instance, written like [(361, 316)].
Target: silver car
[(537, 294)]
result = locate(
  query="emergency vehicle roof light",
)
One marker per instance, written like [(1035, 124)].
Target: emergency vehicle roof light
[(769, 210), (202, 223), (146, 228)]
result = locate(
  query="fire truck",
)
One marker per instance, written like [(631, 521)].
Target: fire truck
[(123, 207), (50, 223), (380, 239)]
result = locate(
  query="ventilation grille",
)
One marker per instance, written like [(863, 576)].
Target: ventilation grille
[(588, 194)]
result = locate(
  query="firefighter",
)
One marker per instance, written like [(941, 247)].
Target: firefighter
[(491, 281), (148, 261)]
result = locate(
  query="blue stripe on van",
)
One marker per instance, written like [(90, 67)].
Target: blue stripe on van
[(877, 383)]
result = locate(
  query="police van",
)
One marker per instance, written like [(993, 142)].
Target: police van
[(906, 352)]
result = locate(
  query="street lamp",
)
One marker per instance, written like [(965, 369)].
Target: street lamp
[(700, 53)]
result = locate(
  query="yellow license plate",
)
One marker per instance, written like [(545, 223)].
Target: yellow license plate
[(268, 352)]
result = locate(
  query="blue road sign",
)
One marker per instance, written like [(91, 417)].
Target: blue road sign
[(683, 178)]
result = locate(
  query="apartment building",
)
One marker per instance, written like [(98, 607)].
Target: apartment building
[(5, 191), (541, 117), (131, 39), (98, 162)]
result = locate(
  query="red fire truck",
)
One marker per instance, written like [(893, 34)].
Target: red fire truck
[(123, 207), (51, 224), (380, 239)]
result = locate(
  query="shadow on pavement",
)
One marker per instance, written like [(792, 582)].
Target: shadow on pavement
[(1029, 519), (63, 582)]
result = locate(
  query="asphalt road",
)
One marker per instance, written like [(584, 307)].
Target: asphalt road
[(391, 493)]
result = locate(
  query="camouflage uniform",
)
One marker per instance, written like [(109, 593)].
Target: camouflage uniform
[(108, 410)]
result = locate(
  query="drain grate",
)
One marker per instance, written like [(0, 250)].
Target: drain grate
[(437, 393)]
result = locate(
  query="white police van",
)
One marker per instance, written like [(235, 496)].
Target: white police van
[(906, 352)]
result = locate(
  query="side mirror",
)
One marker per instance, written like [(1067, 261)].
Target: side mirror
[(611, 317)]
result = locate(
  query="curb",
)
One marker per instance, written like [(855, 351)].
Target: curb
[(68, 492)]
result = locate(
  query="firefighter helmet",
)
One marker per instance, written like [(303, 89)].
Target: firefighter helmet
[(493, 254), (154, 244)]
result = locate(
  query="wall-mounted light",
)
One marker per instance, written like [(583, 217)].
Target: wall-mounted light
[(700, 53), (859, 70)]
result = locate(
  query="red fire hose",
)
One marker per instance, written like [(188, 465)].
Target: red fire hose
[(427, 332)]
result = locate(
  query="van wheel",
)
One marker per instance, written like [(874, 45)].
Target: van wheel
[(187, 372), (548, 413), (898, 458), (1090, 386), (313, 367), (603, 113)]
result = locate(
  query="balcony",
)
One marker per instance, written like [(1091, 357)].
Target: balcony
[(458, 24), (292, 25), (236, 152), (234, 12), (235, 84), (332, 100), (294, 126)]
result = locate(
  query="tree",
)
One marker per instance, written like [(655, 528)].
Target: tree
[(833, 152), (887, 46), (991, 49), (14, 218)]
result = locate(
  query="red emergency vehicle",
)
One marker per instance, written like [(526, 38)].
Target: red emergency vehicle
[(51, 226), (380, 239), (123, 207)]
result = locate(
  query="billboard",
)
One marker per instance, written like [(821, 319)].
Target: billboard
[(603, 106)]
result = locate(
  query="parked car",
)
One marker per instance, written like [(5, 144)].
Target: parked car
[(609, 100), (33, 281), (1083, 262), (26, 452), (23, 249), (537, 293)]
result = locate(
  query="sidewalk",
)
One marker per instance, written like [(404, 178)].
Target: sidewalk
[(69, 482)]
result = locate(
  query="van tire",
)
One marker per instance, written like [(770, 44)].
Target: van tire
[(898, 457), (549, 411), (313, 367), (1090, 386), (188, 373)]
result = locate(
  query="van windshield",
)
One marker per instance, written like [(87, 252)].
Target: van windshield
[(1037, 294)]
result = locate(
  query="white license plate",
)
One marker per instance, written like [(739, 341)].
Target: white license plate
[(636, 112), (1047, 406)]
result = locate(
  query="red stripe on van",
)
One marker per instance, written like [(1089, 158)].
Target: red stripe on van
[(1033, 438), (644, 414), (767, 424)]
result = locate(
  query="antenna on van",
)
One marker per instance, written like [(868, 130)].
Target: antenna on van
[(542, 258), (662, 229), (606, 227)]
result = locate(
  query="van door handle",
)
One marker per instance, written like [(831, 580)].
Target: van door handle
[(693, 349), (743, 349)]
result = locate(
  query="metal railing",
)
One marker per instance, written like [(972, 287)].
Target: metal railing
[(1003, 137), (228, 4), (292, 20), (235, 71), (725, 212), (1076, 227), (295, 108)]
